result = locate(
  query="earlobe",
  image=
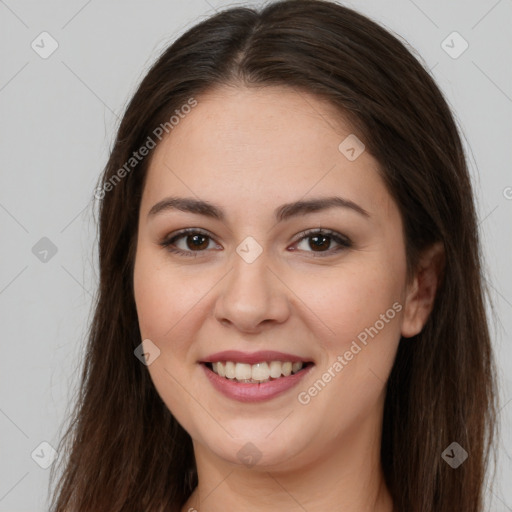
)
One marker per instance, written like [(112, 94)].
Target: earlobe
[(421, 293)]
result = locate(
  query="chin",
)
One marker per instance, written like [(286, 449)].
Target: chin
[(261, 450)]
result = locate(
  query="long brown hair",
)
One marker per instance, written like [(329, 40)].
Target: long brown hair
[(124, 449)]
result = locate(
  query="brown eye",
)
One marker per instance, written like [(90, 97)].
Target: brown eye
[(319, 241), (195, 242)]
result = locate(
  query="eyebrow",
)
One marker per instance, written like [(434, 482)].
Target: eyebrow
[(283, 212)]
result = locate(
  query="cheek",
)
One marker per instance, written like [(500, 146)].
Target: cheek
[(165, 302), (362, 305), (163, 297), (349, 300)]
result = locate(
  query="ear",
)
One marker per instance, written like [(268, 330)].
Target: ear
[(421, 292)]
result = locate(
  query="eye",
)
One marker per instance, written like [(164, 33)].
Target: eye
[(197, 241), (321, 239)]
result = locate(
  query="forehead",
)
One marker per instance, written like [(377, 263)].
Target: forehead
[(267, 120), (252, 144)]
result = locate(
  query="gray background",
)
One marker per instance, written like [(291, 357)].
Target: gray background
[(58, 119)]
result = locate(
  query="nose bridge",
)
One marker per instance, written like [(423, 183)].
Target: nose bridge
[(251, 293)]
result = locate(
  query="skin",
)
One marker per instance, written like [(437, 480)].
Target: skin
[(249, 151)]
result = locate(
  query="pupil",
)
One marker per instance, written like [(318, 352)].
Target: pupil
[(195, 245), (316, 238)]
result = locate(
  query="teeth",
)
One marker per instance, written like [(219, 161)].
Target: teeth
[(220, 370), (296, 367), (286, 369), (259, 372), (243, 371), (229, 369), (275, 369)]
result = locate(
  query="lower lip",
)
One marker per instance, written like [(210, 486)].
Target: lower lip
[(247, 392)]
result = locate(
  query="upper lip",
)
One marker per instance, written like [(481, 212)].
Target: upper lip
[(252, 357)]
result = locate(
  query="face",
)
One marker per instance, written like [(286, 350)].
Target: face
[(262, 280)]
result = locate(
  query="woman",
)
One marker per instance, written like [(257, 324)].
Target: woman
[(291, 309)]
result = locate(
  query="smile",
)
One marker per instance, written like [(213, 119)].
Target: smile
[(254, 377), (255, 373)]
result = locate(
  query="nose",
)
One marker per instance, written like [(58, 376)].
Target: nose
[(252, 297)]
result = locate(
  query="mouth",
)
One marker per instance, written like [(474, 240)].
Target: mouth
[(258, 373), (254, 376)]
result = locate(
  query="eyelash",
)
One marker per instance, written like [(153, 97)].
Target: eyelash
[(343, 241)]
